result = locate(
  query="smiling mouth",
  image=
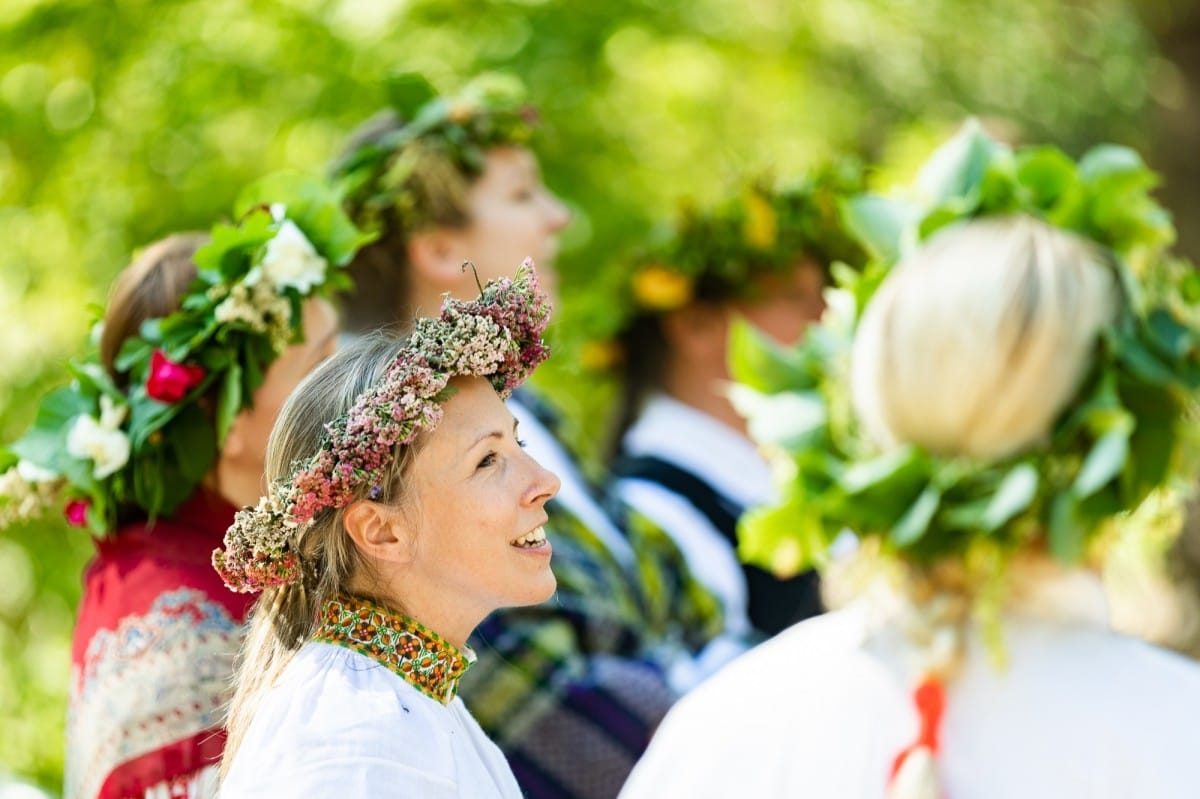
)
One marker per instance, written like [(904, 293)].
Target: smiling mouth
[(534, 538)]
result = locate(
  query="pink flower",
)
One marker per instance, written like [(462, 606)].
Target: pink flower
[(76, 512), (170, 382)]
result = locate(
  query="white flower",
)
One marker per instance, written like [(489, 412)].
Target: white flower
[(32, 473), (101, 441), (291, 260), (111, 414)]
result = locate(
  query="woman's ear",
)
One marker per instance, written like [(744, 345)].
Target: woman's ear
[(436, 258), (379, 531)]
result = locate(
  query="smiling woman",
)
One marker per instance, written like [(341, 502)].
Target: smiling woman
[(402, 510)]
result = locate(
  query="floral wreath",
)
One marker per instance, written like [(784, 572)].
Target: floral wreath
[(716, 253), (96, 448), (491, 110), (497, 336), (1129, 431)]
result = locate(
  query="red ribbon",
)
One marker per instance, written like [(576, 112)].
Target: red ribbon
[(930, 699)]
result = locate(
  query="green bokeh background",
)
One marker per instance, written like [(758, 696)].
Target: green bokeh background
[(122, 120)]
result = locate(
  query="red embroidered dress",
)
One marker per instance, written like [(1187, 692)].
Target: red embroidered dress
[(152, 659)]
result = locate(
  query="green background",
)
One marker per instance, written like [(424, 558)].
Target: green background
[(122, 121)]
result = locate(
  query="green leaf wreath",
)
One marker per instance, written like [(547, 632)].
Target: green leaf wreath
[(379, 175), (716, 253), (1130, 430), (96, 448)]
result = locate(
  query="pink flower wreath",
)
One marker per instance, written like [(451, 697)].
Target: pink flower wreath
[(497, 336)]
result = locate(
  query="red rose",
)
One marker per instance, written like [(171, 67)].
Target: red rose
[(76, 512), (170, 382)]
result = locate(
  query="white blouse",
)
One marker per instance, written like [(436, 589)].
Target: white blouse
[(338, 724), (822, 709)]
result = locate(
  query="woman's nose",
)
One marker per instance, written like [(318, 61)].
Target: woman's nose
[(545, 484), (557, 211)]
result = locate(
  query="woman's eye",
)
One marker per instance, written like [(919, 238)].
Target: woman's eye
[(521, 443), (488, 460)]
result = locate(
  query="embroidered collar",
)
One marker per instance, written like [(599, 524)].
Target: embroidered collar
[(421, 657)]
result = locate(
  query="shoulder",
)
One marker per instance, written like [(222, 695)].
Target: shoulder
[(333, 706), (794, 669), (1125, 675)]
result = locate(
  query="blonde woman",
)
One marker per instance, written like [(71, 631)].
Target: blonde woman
[(984, 372), (403, 510), (570, 690)]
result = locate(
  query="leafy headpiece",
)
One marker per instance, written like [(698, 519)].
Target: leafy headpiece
[(97, 447), (715, 254), (497, 336), (1126, 433), (376, 176)]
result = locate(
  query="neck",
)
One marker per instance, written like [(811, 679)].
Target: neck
[(702, 386), (236, 485), (430, 609)]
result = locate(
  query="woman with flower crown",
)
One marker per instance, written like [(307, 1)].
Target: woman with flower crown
[(1015, 386), (402, 509), (570, 689), (152, 447), (682, 454)]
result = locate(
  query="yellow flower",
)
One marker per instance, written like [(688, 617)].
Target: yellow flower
[(761, 228), (599, 356), (658, 288), (460, 110)]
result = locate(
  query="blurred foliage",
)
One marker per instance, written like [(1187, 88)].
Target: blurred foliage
[(122, 120)]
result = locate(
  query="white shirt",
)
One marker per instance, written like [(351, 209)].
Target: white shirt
[(823, 708), (721, 457), (338, 724)]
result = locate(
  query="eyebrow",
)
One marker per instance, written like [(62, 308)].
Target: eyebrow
[(492, 434)]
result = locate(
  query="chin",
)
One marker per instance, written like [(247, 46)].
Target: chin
[(538, 591)]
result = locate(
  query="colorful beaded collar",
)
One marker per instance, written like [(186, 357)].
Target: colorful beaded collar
[(421, 657)]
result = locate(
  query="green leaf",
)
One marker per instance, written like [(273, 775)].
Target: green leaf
[(1142, 361), (879, 224), (1015, 494), (956, 170), (312, 205), (407, 92), (1104, 461), (134, 351), (789, 420), (782, 539), (915, 522), (902, 464), (1066, 529), (192, 444), (760, 363), (1168, 335), (1113, 163), (229, 401), (1048, 178), (998, 192), (940, 217)]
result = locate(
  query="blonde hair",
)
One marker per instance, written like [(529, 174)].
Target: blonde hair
[(977, 342), (973, 346), (285, 617)]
